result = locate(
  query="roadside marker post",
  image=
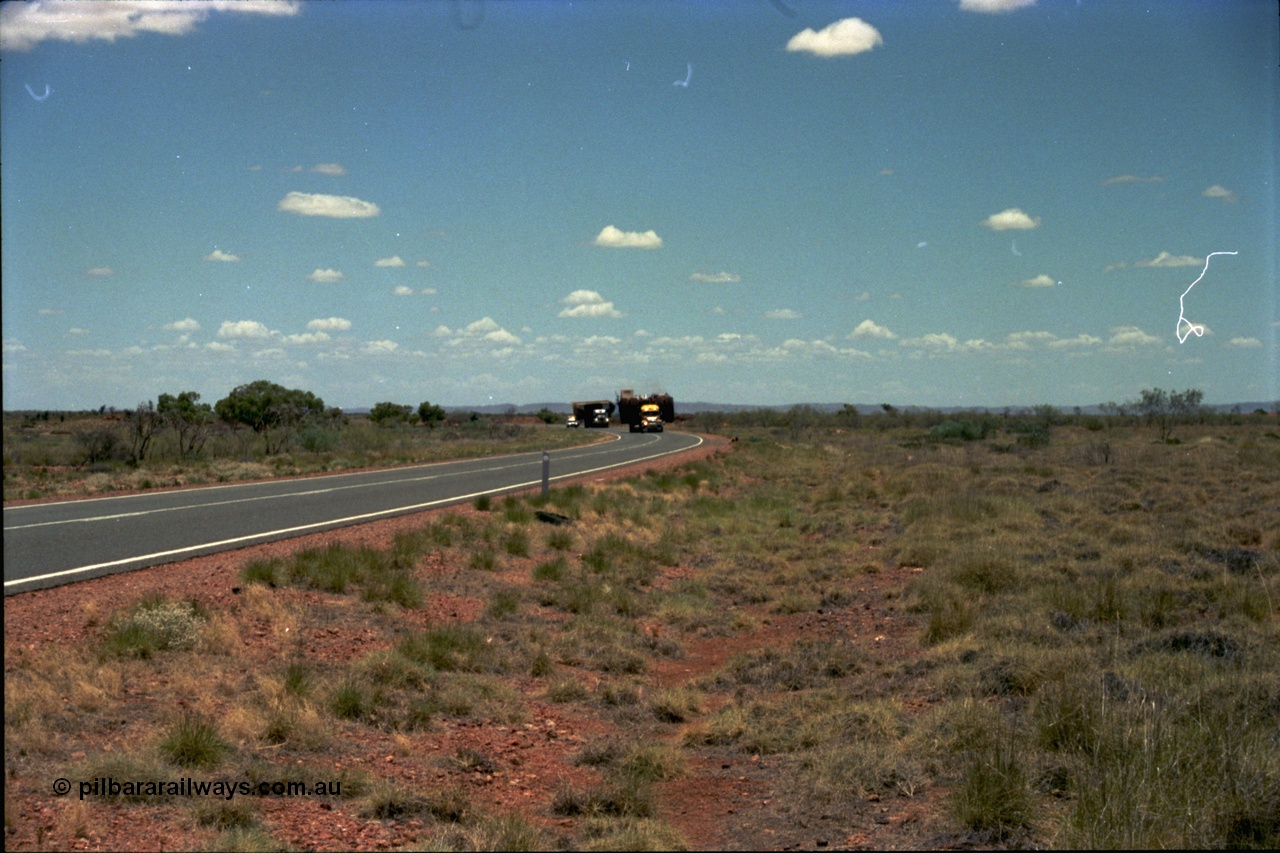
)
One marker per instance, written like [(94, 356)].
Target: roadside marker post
[(546, 472)]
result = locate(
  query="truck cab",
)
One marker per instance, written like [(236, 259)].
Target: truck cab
[(650, 419), (572, 421)]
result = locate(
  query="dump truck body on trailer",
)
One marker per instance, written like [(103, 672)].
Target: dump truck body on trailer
[(645, 414), (593, 413)]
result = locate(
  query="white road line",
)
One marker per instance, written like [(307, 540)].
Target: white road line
[(337, 521), (251, 483), (310, 492)]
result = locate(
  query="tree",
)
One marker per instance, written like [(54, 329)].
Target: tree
[(271, 410), (1163, 408), (190, 419), (430, 414), (145, 422), (384, 414), (547, 416)]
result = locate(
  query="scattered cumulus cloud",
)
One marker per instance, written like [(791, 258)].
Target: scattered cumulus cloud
[(1132, 179), (716, 278), (870, 329), (782, 314), (1164, 259), (1218, 191), (328, 169), (329, 324), (1012, 219), (77, 330), (184, 325), (99, 272), (614, 238), (25, 25), (13, 346), (403, 290), (335, 206), (587, 303), (250, 329), (1244, 343), (1041, 280), (845, 37), (994, 7), (325, 276), (422, 263), (219, 255), (380, 347), (306, 338), (1130, 336), (393, 261)]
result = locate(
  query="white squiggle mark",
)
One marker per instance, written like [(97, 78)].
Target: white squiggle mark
[(1193, 327), (687, 77), (31, 92)]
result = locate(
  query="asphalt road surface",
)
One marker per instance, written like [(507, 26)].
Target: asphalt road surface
[(55, 543)]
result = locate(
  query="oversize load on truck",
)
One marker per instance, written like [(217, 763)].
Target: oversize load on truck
[(629, 407)]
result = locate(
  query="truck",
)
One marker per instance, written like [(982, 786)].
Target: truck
[(593, 413), (645, 413)]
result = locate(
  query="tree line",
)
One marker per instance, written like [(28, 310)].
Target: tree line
[(271, 411)]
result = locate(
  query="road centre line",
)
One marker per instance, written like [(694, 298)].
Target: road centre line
[(332, 522), (311, 492)]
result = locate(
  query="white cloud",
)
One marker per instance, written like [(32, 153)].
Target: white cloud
[(933, 341), (484, 329), (219, 346), (1012, 219), (24, 25), (1041, 280), (219, 255), (782, 314), (76, 330), (1164, 259), (614, 238), (1244, 343), (588, 303), (329, 324), (243, 329), (328, 169), (381, 347), (100, 272), (845, 37), (1130, 336), (870, 329), (422, 263), (306, 338), (1220, 192), (13, 345), (403, 290), (994, 6), (716, 278), (1080, 340), (393, 261), (184, 325), (1132, 179), (336, 206), (325, 276)]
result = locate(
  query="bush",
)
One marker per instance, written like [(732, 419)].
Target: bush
[(154, 627)]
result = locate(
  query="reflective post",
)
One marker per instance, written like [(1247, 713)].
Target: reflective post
[(546, 472)]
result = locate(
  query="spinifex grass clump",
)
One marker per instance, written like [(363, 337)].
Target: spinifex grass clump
[(381, 575)]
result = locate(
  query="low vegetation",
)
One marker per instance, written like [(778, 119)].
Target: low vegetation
[(1050, 644)]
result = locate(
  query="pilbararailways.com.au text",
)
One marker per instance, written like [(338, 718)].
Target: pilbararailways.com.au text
[(107, 786)]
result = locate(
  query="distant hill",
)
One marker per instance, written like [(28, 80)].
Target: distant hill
[(694, 407)]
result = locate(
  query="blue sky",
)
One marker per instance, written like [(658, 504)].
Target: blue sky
[(987, 202)]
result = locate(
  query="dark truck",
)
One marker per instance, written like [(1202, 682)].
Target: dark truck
[(645, 414), (593, 413)]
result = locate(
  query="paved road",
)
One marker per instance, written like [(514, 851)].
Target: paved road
[(55, 543)]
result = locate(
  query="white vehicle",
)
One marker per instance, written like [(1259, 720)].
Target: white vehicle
[(571, 422)]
